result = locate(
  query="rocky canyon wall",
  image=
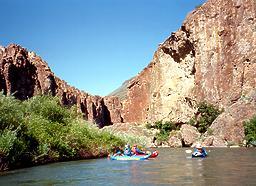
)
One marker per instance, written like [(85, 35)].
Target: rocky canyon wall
[(23, 74), (212, 58)]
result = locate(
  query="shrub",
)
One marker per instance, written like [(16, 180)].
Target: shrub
[(210, 131), (164, 129), (162, 136), (49, 108), (148, 126), (165, 126), (7, 139), (11, 112), (204, 117), (250, 131), (40, 130)]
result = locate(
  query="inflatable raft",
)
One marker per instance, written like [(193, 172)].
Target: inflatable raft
[(154, 154), (133, 157), (197, 154)]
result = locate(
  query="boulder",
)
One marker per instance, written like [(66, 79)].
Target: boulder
[(214, 142), (229, 125), (189, 135), (175, 141)]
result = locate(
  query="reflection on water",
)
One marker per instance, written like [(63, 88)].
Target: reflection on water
[(171, 167)]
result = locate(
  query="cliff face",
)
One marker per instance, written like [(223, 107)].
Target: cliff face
[(212, 57), (224, 35), (24, 74)]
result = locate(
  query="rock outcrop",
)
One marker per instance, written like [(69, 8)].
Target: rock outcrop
[(23, 74), (175, 139), (214, 141), (189, 135), (211, 58), (229, 125)]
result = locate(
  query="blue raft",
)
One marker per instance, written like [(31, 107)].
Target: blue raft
[(197, 154), (133, 157)]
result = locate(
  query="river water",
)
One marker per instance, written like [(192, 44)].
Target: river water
[(223, 166)]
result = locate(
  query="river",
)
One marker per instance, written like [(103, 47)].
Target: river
[(223, 166)]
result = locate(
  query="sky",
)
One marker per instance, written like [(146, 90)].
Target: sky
[(94, 45)]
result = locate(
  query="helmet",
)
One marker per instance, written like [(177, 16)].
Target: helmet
[(127, 146), (135, 145), (198, 146)]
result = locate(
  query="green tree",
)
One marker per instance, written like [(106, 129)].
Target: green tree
[(206, 114), (164, 129), (250, 131)]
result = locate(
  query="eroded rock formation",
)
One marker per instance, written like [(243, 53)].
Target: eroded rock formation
[(211, 58), (189, 135), (24, 74), (229, 125)]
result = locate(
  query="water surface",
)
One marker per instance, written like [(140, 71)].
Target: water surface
[(223, 166)]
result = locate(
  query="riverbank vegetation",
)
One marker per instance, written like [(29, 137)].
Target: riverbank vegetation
[(250, 131), (164, 129), (40, 130), (205, 115)]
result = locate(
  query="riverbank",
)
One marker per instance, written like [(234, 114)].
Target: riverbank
[(39, 131)]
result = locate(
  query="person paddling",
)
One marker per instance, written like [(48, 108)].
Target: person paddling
[(118, 152), (127, 150), (199, 150), (136, 150)]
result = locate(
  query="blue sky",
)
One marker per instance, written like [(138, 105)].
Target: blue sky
[(94, 45)]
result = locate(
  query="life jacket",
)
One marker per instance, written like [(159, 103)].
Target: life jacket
[(134, 150), (127, 152), (137, 151)]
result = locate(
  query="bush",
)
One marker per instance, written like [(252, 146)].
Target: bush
[(250, 131), (162, 136), (210, 131), (49, 108), (40, 130), (11, 112), (164, 126), (204, 117), (7, 139), (164, 129), (148, 126)]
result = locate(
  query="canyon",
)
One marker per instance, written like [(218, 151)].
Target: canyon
[(23, 74), (212, 58)]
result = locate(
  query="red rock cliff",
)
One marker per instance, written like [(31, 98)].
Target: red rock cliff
[(211, 57), (24, 74)]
